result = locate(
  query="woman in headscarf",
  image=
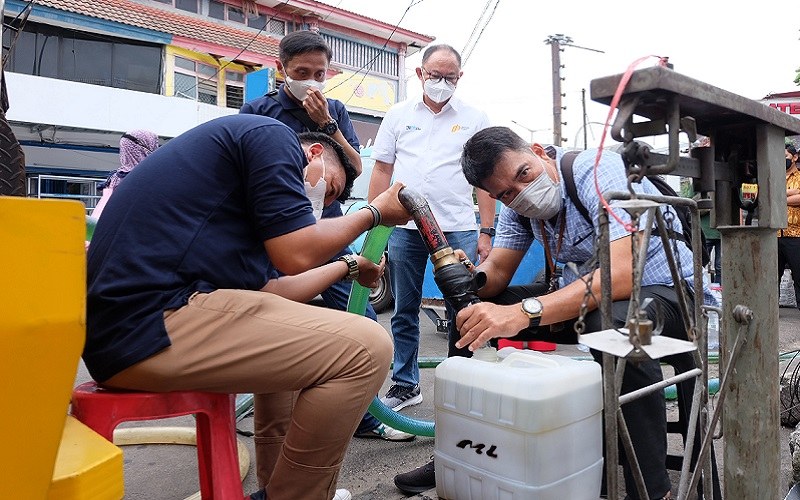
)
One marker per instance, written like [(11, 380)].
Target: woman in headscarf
[(134, 146)]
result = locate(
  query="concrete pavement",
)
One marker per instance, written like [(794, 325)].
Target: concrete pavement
[(156, 472)]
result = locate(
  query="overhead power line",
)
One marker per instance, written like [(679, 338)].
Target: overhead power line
[(483, 22), (368, 65)]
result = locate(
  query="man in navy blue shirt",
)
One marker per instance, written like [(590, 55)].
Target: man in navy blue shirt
[(179, 297)]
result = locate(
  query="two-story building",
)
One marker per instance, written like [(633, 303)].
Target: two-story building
[(82, 72)]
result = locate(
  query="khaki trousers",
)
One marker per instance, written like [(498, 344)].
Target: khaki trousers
[(313, 371)]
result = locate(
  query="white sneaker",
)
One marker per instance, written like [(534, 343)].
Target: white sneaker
[(383, 431), (342, 495)]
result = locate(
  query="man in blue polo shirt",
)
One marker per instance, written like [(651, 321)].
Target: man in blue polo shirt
[(179, 298)]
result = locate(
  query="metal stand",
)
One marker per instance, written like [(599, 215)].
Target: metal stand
[(743, 134), (640, 340)]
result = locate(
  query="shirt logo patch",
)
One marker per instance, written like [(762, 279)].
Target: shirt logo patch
[(412, 127), (459, 128)]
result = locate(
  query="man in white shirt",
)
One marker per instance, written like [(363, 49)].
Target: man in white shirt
[(419, 143)]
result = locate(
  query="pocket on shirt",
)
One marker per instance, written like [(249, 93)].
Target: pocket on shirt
[(580, 239)]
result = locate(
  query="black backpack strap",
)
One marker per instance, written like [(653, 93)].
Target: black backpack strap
[(526, 223), (302, 116), (569, 182), (568, 176)]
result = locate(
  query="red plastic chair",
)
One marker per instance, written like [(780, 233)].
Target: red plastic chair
[(217, 455)]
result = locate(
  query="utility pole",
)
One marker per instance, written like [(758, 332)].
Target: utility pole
[(556, 42), (583, 109)]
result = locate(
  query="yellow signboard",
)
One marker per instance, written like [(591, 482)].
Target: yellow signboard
[(360, 91)]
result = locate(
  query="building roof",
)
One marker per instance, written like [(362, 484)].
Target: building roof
[(783, 95), (180, 25), (358, 22)]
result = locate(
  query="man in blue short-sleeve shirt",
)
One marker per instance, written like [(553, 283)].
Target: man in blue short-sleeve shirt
[(179, 295), (182, 223), (527, 179)]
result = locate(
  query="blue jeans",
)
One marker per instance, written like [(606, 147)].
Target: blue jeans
[(337, 295), (408, 257)]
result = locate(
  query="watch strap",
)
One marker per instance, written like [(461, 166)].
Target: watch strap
[(352, 267), (535, 318), (488, 230)]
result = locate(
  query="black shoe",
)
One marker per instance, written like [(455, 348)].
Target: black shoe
[(259, 495), (418, 480)]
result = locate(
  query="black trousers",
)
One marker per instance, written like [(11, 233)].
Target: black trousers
[(646, 416)]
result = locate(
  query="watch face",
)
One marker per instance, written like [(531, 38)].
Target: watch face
[(532, 305), (330, 128)]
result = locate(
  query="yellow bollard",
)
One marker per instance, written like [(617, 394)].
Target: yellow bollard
[(42, 331)]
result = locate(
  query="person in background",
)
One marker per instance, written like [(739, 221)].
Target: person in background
[(179, 296), (134, 146), (419, 143), (299, 103), (789, 238)]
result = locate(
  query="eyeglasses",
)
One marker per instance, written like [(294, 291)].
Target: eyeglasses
[(436, 77)]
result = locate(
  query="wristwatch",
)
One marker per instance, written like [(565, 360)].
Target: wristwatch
[(329, 128), (488, 230), (352, 267), (533, 309)]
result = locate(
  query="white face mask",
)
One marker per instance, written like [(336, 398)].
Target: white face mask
[(541, 199), (298, 88), (440, 91), (316, 194)]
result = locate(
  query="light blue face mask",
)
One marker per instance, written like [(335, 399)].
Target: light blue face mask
[(541, 199)]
